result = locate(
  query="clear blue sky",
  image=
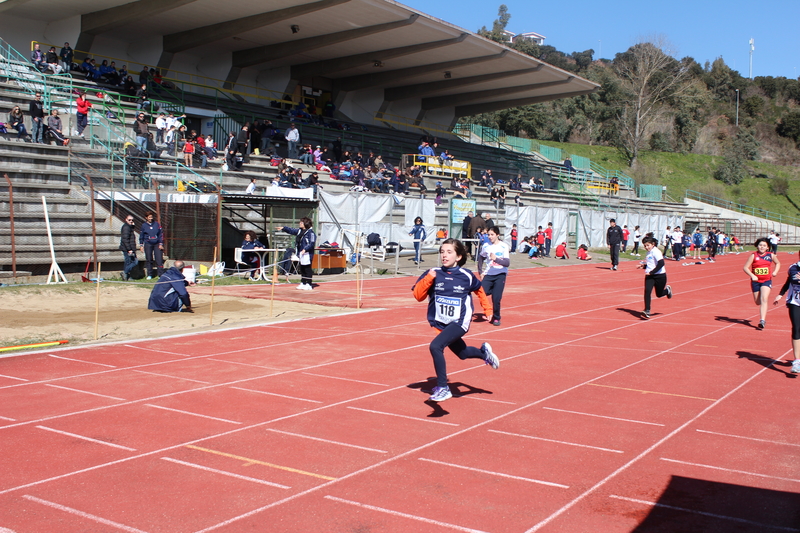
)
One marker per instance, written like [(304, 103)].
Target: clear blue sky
[(702, 29)]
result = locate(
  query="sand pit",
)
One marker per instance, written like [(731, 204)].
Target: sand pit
[(39, 313)]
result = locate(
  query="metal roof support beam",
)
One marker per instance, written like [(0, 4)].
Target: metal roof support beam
[(475, 109), (107, 20), (338, 64), (466, 98), (263, 54), (186, 40), (421, 89), (366, 81)]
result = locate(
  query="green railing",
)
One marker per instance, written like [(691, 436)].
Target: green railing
[(18, 68), (651, 192), (624, 180), (741, 208)]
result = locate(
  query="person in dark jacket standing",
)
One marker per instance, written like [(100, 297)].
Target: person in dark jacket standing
[(127, 245), (151, 240), (614, 239), (36, 111), (169, 295), (67, 53), (141, 129), (306, 241)]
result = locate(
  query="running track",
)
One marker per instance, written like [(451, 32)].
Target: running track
[(596, 420)]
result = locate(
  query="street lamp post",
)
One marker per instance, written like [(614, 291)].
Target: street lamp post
[(737, 108)]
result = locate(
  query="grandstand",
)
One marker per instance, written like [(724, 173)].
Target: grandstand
[(323, 79)]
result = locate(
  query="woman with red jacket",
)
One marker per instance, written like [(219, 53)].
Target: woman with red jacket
[(82, 113)]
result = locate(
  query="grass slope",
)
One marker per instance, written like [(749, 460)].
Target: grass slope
[(680, 172)]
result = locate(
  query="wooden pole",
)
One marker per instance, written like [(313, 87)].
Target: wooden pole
[(97, 301), (274, 280), (358, 270), (213, 279)]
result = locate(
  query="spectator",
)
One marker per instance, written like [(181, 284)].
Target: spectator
[(169, 295), (242, 139), (54, 126), (268, 131), (161, 128), (230, 153), (129, 86), (210, 147), (52, 60), (144, 76), (108, 72), (292, 137), (151, 241), (36, 111), (255, 137), (307, 157), (66, 55), (425, 149), (188, 152), (251, 188), (141, 129), (306, 241), (251, 242), (143, 98), (127, 245), (336, 147), (568, 165), (16, 120), (82, 111), (38, 58), (123, 74)]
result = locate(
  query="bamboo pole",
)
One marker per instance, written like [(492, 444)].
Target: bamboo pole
[(213, 279), (274, 280), (358, 270), (97, 301)]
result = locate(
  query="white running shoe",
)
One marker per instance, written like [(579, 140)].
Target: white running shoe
[(301, 287), (441, 394), (489, 356), (796, 366)]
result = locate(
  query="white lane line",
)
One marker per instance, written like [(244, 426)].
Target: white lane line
[(731, 470), (9, 419), (749, 438), (193, 414), (500, 474), (243, 364), (703, 513), (172, 377), (345, 379), (224, 473), (76, 512), (79, 361), (157, 351), (12, 377), (474, 397), (556, 441), (601, 416), (404, 515), (326, 440), (279, 395), (74, 435), (646, 452), (403, 416), (84, 392)]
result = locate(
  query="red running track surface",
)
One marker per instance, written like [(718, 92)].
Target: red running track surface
[(597, 420)]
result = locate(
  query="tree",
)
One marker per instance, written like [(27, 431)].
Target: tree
[(789, 126), (498, 31), (649, 77)]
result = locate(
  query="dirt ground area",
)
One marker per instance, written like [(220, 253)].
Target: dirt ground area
[(33, 314)]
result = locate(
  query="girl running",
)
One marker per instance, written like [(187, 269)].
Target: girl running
[(495, 264), (793, 305), (655, 274), (448, 289), (762, 266)]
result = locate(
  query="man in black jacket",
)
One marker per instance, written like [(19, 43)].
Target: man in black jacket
[(36, 111), (127, 244), (141, 129), (614, 239)]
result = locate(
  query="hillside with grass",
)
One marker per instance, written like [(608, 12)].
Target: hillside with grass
[(771, 187)]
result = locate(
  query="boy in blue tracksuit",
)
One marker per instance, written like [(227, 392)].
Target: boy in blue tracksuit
[(151, 240)]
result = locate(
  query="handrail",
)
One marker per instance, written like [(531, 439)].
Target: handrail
[(741, 208), (16, 66)]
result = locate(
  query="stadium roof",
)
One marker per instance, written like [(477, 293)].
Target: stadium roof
[(350, 45)]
